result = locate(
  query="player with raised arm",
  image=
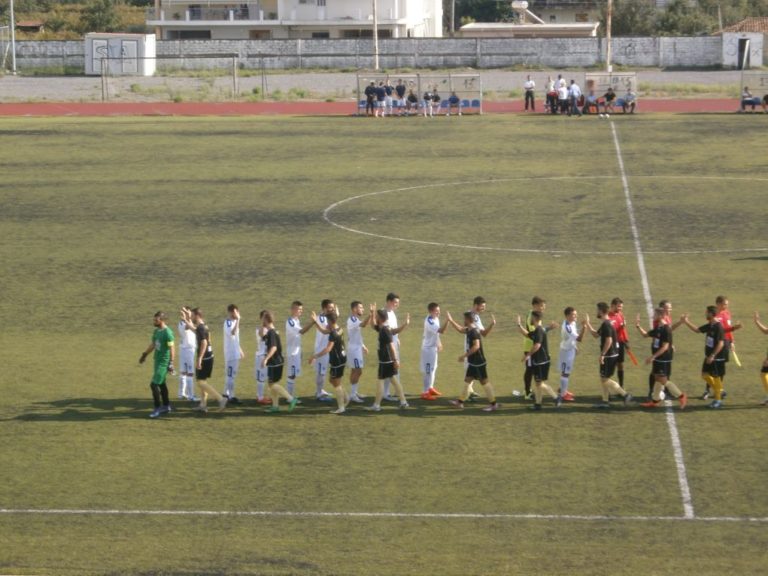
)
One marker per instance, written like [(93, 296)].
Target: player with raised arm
[(666, 305), (293, 333), (430, 347), (570, 337), (392, 304), (609, 355), (187, 343), (724, 317), (476, 364), (356, 349), (538, 304), (662, 353), (204, 361), (321, 341), (162, 347), (337, 361), (538, 358), (389, 364), (233, 353), (273, 361), (714, 353), (764, 370), (479, 305)]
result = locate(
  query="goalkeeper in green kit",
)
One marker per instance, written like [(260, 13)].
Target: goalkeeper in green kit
[(162, 345)]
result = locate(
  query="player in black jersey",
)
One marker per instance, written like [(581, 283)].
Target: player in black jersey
[(337, 360), (661, 356)]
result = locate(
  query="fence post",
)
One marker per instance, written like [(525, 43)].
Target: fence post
[(235, 86)]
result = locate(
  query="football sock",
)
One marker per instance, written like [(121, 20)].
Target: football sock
[(398, 389), (489, 393), (379, 393), (354, 388), (427, 382), (651, 383), (387, 382), (208, 390), (620, 373), (471, 388), (182, 384), (155, 394), (764, 376), (190, 386), (318, 385), (611, 387), (528, 379), (259, 389), (277, 392), (656, 393), (465, 391), (164, 394), (717, 387), (545, 388), (673, 389), (563, 384), (341, 396), (290, 386)]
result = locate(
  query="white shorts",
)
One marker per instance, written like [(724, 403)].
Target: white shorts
[(428, 360), (355, 358), (293, 366), (565, 361), (187, 360), (321, 366), (259, 372), (231, 367)]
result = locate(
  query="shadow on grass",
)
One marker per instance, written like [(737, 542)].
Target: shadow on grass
[(96, 409)]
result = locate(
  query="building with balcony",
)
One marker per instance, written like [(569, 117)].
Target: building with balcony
[(291, 19), (566, 11)]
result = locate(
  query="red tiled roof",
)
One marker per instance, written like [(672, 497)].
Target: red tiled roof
[(754, 24)]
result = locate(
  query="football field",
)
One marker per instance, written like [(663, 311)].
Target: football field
[(105, 221)]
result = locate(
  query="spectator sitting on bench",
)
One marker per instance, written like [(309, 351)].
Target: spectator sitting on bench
[(591, 103), (748, 100), (454, 102), (629, 102), (608, 99), (411, 103)]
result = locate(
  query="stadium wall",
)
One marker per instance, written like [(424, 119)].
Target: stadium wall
[(689, 52)]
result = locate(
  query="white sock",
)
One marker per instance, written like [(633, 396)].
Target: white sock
[(290, 385), (260, 389), (354, 389), (318, 386), (387, 382), (182, 384), (427, 382), (190, 386), (563, 384)]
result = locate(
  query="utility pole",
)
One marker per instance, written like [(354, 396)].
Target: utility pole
[(13, 40), (608, 54), (375, 36)]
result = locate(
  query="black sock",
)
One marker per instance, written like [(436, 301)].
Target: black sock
[(528, 379), (155, 394), (651, 382), (621, 377), (164, 394)]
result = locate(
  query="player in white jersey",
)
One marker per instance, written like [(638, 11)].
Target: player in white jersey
[(430, 347), (233, 353), (321, 342), (188, 343), (356, 349), (393, 303), (293, 333), (569, 347), (261, 371)]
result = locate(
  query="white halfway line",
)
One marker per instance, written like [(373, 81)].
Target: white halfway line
[(677, 451), (401, 515)]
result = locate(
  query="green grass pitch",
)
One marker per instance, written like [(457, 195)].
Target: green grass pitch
[(105, 221)]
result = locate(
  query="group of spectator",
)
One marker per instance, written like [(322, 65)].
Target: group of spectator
[(386, 100), (569, 99), (748, 100)]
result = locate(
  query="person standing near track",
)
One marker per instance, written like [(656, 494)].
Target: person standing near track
[(764, 371), (337, 360), (551, 96), (233, 353), (162, 346), (529, 86), (400, 92), (616, 316), (370, 99), (204, 366), (389, 363), (293, 333), (570, 337), (538, 358), (714, 353), (574, 95), (356, 349), (321, 341), (476, 364), (431, 346), (187, 343), (662, 352), (273, 361), (609, 355)]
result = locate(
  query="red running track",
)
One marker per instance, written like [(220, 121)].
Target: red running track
[(301, 108)]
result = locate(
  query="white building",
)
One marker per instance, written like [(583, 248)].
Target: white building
[(287, 19)]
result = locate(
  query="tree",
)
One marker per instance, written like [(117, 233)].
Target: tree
[(683, 19), (632, 18), (100, 16)]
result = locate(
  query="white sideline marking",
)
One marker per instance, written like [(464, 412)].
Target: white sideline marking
[(327, 212), (402, 515), (677, 451)]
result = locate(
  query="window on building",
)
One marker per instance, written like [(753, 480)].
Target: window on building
[(321, 35), (582, 17), (259, 35), (189, 35)]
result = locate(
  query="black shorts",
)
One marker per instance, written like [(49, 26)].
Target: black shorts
[(608, 367), (662, 369), (336, 372), (274, 374), (540, 372), (477, 372), (387, 370), (726, 352), (764, 370), (716, 369), (622, 346), (206, 368)]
